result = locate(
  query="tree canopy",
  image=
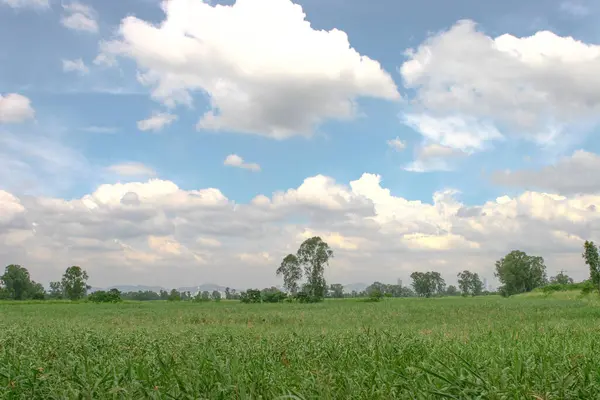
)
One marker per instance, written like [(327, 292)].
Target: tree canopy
[(520, 273)]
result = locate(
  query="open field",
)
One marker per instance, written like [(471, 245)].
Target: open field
[(493, 348)]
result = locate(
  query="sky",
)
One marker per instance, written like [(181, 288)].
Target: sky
[(184, 142)]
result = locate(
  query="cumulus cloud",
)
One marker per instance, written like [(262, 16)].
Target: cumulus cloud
[(265, 69), (156, 122), (23, 4), (574, 174), (132, 169), (471, 88), (76, 65), (15, 108), (397, 144), (155, 232), (80, 17), (233, 160)]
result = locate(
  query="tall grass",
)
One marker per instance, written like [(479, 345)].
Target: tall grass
[(487, 348)]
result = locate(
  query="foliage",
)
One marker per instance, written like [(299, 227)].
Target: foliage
[(216, 295), (74, 283), (375, 295), (452, 291), (272, 295), (251, 296), (426, 284), (57, 291), (336, 290), (292, 273), (141, 295), (310, 259), (561, 279), (520, 273), (592, 259), (18, 284), (469, 283), (447, 348), (101, 296), (174, 295)]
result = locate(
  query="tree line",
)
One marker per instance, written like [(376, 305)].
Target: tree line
[(304, 282)]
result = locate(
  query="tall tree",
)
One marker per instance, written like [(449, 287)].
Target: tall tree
[(469, 283), (56, 290), (561, 279), (592, 259), (314, 255), (337, 290), (427, 284), (520, 273), (292, 273), (216, 295), (74, 283), (17, 282)]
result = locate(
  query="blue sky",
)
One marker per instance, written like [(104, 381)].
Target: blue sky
[(85, 131)]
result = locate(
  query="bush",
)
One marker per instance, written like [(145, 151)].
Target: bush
[(251, 296), (587, 287), (101, 296), (273, 296), (375, 295)]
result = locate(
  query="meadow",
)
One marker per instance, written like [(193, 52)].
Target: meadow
[(524, 347)]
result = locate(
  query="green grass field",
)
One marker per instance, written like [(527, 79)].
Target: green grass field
[(530, 347)]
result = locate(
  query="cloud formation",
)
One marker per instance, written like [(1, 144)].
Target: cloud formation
[(76, 65), (265, 75), (27, 4), (156, 122), (233, 160), (154, 232), (574, 174), (132, 169), (15, 108), (80, 17), (471, 88)]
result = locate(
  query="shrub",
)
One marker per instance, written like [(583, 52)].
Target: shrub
[(101, 296), (251, 296)]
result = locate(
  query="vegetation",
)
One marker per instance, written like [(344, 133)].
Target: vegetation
[(426, 284), (520, 273), (469, 283), (101, 296), (464, 348)]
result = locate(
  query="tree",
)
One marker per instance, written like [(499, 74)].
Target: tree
[(314, 255), (56, 290), (520, 273), (451, 291), (227, 293), (36, 291), (592, 259), (216, 295), (205, 295), (337, 290), (74, 283), (469, 283), (164, 295), (427, 284), (101, 296), (292, 273), (16, 281), (561, 279), (174, 295)]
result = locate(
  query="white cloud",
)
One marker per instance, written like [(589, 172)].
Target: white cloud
[(233, 160), (265, 69), (157, 233), (434, 157), (577, 173), (529, 87), (76, 65), (80, 17), (397, 144), (15, 108), (156, 122), (132, 169), (32, 4)]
